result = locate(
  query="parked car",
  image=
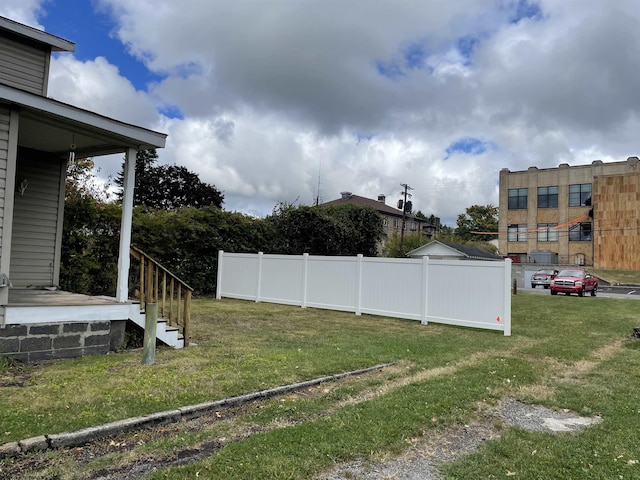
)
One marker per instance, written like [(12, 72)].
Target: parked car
[(574, 280), (543, 277)]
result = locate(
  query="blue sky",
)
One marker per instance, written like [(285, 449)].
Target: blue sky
[(91, 30), (259, 97)]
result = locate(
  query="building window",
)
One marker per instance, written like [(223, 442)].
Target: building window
[(547, 197), (580, 232), (546, 232), (517, 232), (517, 198), (385, 221), (395, 223), (580, 195)]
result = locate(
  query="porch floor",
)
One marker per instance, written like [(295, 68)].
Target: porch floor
[(33, 297)]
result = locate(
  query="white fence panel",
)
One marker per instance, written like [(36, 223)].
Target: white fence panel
[(332, 283), (240, 275), (465, 293), (392, 287), (468, 293), (282, 279)]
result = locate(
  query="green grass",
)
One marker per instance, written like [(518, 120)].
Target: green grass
[(564, 352), (622, 277)]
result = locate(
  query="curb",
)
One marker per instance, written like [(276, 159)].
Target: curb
[(80, 437)]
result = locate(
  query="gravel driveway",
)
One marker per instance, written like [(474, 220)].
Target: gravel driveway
[(421, 460)]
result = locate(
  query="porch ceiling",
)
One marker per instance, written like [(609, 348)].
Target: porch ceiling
[(51, 126)]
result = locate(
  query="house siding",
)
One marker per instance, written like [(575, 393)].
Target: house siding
[(5, 123), (22, 65), (35, 222)]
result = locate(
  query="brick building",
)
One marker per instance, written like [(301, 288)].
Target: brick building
[(585, 215)]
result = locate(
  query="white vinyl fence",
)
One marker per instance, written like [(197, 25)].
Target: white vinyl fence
[(456, 292)]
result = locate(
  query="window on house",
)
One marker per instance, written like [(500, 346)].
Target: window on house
[(546, 232), (580, 232), (385, 221), (547, 197), (580, 195), (517, 232), (395, 223), (517, 198)]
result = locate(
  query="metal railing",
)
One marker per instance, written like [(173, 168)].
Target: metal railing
[(158, 285)]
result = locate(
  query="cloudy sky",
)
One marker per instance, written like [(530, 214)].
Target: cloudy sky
[(268, 100)]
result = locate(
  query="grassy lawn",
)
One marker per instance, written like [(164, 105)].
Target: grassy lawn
[(564, 352), (622, 277)]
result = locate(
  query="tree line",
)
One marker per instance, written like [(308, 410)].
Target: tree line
[(179, 221)]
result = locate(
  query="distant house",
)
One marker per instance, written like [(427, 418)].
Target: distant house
[(391, 217), (445, 250), (38, 136)]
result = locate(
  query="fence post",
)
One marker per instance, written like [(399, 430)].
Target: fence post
[(425, 289), (507, 297), (150, 324), (219, 276), (259, 279), (305, 272), (359, 284)]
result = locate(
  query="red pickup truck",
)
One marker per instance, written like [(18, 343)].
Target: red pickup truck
[(574, 280)]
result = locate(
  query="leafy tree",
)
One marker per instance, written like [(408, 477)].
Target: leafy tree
[(478, 218), (326, 230), (411, 241), (187, 240), (90, 235), (168, 187)]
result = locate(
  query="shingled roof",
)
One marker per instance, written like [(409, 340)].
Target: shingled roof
[(468, 251), (350, 199)]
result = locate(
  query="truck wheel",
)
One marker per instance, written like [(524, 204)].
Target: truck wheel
[(594, 291), (581, 292), (553, 292)]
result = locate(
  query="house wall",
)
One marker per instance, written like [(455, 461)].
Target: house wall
[(23, 65), (8, 141), (5, 121), (36, 221)]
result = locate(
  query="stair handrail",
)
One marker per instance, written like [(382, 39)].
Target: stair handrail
[(156, 283)]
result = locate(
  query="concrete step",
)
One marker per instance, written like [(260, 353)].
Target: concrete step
[(164, 332)]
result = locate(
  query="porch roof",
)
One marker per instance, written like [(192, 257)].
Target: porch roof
[(52, 126)]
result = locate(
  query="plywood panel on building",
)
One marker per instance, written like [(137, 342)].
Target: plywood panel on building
[(617, 227)]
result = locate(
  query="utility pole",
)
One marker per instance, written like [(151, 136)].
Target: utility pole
[(406, 194)]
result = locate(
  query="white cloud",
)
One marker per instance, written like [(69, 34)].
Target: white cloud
[(371, 94), (23, 11)]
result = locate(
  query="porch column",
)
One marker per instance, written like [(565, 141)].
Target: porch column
[(124, 260)]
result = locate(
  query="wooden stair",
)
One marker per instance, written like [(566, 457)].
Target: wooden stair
[(172, 295)]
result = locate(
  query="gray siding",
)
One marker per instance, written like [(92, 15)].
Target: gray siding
[(23, 66), (35, 221), (5, 120)]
